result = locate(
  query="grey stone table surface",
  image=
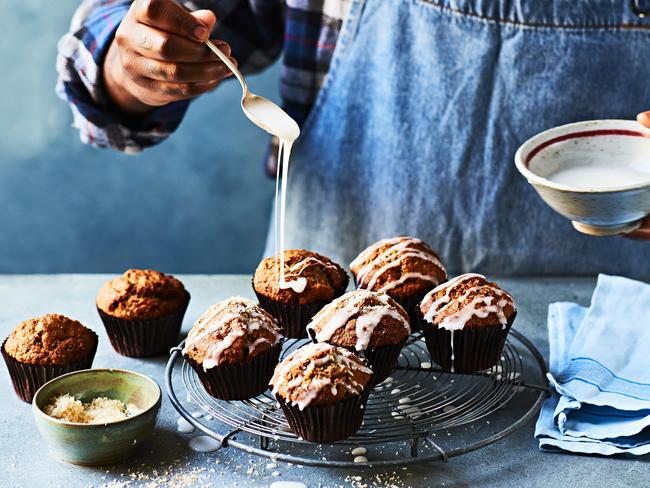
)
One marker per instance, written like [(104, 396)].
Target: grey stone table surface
[(168, 461)]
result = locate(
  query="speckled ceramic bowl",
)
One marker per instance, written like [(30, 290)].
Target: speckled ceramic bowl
[(97, 444), (609, 143)]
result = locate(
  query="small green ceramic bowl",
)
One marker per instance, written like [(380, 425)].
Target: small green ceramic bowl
[(96, 444)]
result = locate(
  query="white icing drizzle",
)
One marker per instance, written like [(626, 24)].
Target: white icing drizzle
[(325, 324), (399, 248), (298, 283), (459, 319), (244, 318), (308, 390)]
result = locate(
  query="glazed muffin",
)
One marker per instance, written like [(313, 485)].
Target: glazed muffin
[(405, 268), (233, 347), (40, 349), (370, 324), (310, 282), (322, 390), (142, 311), (465, 323)]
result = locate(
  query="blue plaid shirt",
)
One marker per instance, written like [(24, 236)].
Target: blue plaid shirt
[(257, 30)]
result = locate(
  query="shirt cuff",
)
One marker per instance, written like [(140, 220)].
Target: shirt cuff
[(79, 63)]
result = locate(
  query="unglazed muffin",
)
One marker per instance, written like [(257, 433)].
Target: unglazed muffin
[(142, 311), (405, 268), (40, 349), (465, 323), (311, 281), (369, 323), (322, 390), (233, 347)]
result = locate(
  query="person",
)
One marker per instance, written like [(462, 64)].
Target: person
[(410, 110)]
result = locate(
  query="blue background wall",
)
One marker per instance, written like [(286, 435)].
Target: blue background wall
[(198, 203)]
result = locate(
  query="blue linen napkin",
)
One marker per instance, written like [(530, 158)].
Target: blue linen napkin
[(600, 372)]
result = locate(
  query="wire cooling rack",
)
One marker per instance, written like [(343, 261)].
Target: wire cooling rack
[(419, 414)]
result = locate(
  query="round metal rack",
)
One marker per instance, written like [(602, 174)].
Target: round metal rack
[(419, 414)]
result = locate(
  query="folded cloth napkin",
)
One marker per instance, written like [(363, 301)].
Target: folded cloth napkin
[(599, 372)]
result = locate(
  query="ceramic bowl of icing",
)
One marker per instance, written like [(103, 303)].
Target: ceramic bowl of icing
[(594, 173), (98, 444)]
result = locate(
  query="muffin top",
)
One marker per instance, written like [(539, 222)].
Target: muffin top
[(231, 332), (468, 300), (360, 319), (49, 340), (400, 267), (319, 374), (141, 294), (309, 277)]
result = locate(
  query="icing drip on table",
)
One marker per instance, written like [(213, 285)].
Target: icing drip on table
[(310, 386), (244, 318), (399, 248), (323, 326), (458, 320)]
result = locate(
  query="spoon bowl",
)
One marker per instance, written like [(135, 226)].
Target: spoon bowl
[(260, 110)]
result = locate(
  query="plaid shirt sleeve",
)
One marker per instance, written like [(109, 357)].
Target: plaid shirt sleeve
[(253, 28)]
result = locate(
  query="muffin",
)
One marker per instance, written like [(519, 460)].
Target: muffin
[(142, 311), (368, 323), (311, 281), (465, 323), (405, 268), (322, 390), (40, 349), (233, 348)]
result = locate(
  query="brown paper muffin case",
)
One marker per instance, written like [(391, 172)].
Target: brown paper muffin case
[(239, 381), (28, 378), (293, 317), (147, 337), (327, 423), (382, 360), (475, 348), (411, 305)]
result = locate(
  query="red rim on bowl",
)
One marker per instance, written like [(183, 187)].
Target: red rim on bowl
[(579, 130)]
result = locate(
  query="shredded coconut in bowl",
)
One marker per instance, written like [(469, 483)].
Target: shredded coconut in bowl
[(100, 410)]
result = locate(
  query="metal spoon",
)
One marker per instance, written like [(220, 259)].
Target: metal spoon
[(260, 110)]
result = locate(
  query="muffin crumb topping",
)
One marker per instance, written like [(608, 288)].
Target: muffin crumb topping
[(231, 331), (360, 319), (398, 266), (319, 374), (467, 300)]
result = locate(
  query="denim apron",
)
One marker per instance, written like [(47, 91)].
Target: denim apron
[(416, 125)]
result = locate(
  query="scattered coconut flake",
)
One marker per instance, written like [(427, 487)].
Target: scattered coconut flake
[(359, 451)]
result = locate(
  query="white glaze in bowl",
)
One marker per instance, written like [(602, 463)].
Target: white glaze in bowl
[(608, 146)]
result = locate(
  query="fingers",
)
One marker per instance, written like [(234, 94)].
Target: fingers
[(644, 118), (167, 15), (161, 56), (157, 93), (163, 46), (643, 232), (177, 72)]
